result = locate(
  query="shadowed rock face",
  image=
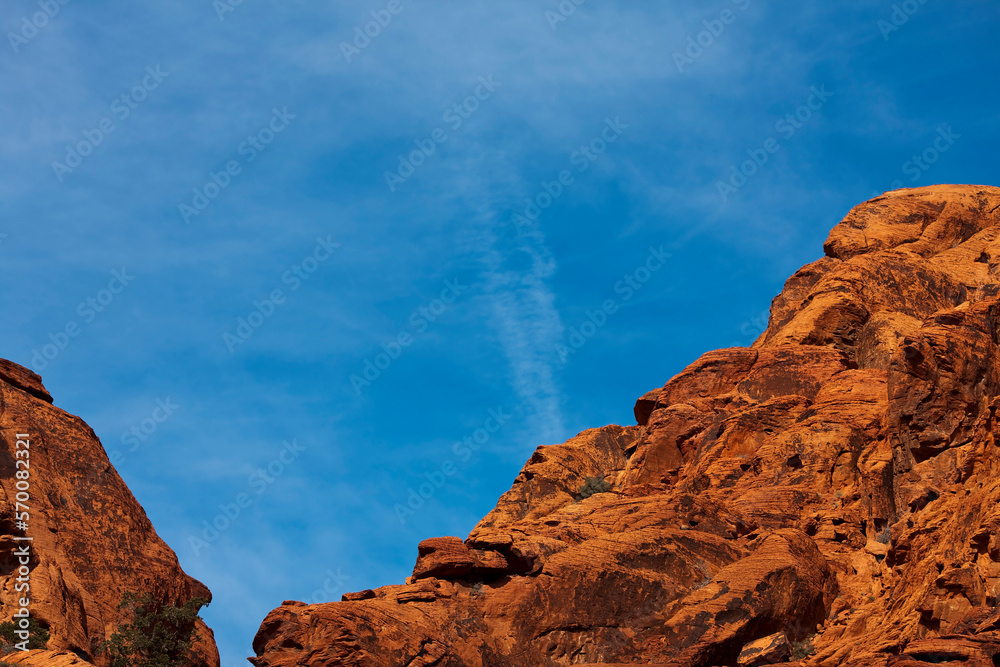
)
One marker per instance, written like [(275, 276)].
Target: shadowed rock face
[(834, 486), (91, 539)]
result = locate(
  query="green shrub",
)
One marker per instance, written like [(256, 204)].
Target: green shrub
[(593, 485), (884, 536), (38, 638), (157, 635), (803, 649)]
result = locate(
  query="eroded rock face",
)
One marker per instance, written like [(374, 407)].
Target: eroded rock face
[(39, 658), (91, 540), (835, 486)]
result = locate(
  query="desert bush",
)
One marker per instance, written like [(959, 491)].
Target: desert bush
[(593, 485), (803, 649), (38, 638), (158, 635)]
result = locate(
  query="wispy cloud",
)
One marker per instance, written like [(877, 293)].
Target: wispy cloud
[(527, 322)]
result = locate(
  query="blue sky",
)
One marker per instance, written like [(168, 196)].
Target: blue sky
[(287, 136)]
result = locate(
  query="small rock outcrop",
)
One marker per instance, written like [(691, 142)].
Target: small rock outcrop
[(771, 650), (829, 495)]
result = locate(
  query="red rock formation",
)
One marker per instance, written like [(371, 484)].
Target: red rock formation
[(835, 487), (91, 540), (39, 658)]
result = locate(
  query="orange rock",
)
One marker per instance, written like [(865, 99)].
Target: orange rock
[(44, 659), (446, 557), (837, 484), (765, 651), (91, 540)]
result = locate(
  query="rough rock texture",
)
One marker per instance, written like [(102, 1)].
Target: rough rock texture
[(765, 651), (91, 539), (45, 659), (838, 482)]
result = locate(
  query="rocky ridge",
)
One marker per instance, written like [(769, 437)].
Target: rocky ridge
[(828, 496)]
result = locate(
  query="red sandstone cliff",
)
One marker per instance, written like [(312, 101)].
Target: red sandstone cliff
[(831, 491), (91, 539)]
